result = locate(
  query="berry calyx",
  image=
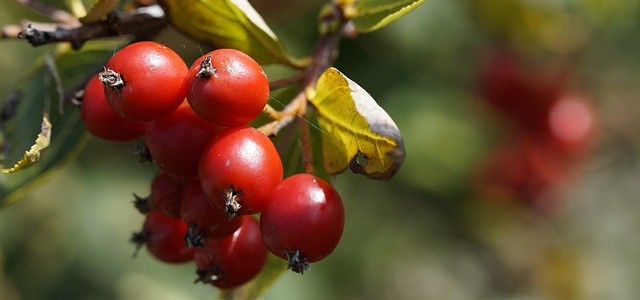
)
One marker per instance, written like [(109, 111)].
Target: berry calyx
[(144, 81), (162, 236), (101, 120), (238, 170), (234, 260), (204, 221), (227, 87)]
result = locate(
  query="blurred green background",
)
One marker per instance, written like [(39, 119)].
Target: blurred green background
[(426, 234)]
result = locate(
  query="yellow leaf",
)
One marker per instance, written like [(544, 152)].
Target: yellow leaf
[(227, 24), (32, 155), (357, 132)]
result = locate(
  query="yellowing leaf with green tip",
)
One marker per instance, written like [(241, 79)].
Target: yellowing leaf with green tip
[(371, 15), (227, 24), (357, 133)]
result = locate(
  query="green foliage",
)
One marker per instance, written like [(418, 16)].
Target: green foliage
[(371, 15), (354, 125), (99, 11), (228, 24), (37, 93)]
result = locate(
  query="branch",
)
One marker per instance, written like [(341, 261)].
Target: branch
[(334, 26), (142, 23)]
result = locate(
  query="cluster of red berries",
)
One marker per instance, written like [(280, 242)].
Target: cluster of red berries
[(553, 127), (215, 170)]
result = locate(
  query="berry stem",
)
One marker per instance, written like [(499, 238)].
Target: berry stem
[(336, 24), (307, 151), (286, 81)]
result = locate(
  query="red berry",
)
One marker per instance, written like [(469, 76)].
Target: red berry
[(572, 123), (234, 260), (166, 195), (101, 120), (162, 236), (204, 221), (144, 81), (238, 170), (228, 87), (177, 141), (521, 94), (303, 220)]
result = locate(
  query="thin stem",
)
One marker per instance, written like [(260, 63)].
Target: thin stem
[(10, 31), (286, 115), (286, 81), (307, 151), (272, 112)]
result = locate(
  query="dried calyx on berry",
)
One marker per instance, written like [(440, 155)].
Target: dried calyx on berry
[(194, 236), (296, 262)]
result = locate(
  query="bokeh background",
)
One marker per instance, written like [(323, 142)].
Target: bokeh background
[(454, 223)]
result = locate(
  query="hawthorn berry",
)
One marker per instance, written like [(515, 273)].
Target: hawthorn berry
[(177, 141), (228, 87), (238, 170), (162, 235), (234, 260), (303, 220), (204, 221), (166, 195), (144, 81), (101, 120)]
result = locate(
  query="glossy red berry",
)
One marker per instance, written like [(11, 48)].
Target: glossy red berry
[(101, 120), (238, 170), (203, 221), (144, 81), (303, 221), (228, 87), (166, 195), (177, 141), (162, 235), (232, 261)]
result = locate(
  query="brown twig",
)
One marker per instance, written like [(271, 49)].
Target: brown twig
[(116, 25)]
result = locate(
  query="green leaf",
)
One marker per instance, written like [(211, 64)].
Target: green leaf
[(99, 11), (228, 24), (22, 117), (371, 15), (357, 132)]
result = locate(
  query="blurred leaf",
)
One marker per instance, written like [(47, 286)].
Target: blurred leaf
[(24, 122), (228, 24), (99, 11), (32, 155), (371, 15), (273, 268), (358, 133)]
